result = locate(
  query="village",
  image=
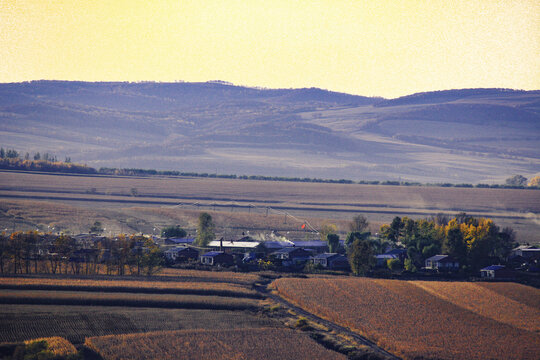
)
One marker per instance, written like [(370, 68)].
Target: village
[(85, 253)]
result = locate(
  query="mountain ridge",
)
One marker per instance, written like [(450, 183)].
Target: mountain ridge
[(460, 135)]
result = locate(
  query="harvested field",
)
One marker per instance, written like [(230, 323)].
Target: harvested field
[(75, 323), (263, 344), (161, 287), (488, 303), (409, 321), (241, 205), (126, 299), (520, 293), (313, 194), (225, 276)]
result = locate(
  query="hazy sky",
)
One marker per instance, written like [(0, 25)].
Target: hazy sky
[(376, 48)]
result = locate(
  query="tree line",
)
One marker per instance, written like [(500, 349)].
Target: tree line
[(13, 160), (32, 252)]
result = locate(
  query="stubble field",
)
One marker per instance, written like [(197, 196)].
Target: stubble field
[(447, 321)]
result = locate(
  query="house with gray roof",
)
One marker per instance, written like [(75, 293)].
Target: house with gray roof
[(331, 261), (441, 263)]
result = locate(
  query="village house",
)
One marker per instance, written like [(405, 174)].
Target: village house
[(315, 245), (495, 272), (441, 263), (291, 256), (242, 245), (179, 241), (331, 261), (217, 258), (525, 251), (179, 254)]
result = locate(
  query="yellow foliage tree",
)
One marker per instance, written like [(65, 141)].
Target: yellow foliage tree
[(535, 181)]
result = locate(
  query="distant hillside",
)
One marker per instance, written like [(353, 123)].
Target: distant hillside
[(470, 135)]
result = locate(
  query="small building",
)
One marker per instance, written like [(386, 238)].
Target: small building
[(495, 272), (178, 254), (331, 261), (401, 254), (315, 245), (291, 256), (441, 263), (239, 245), (217, 258), (525, 251), (179, 241), (272, 246)]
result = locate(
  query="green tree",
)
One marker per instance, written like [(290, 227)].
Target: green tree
[(173, 231), (205, 229), (361, 257), (393, 231), (356, 235), (516, 180), (409, 265), (359, 223), (2, 153), (333, 242)]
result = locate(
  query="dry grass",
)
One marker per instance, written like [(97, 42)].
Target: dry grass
[(263, 344), (57, 345), (126, 299), (485, 302), (130, 285), (409, 321)]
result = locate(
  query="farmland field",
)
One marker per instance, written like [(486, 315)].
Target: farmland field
[(133, 204), (262, 343), (75, 323), (126, 299), (404, 318), (112, 285)]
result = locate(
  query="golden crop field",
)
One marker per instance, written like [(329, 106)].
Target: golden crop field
[(57, 345), (262, 344), (518, 292), (215, 276), (126, 299), (187, 287), (485, 302), (409, 321)]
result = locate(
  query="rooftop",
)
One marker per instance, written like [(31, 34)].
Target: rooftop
[(494, 267)]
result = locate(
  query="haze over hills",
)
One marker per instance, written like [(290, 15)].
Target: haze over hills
[(471, 135)]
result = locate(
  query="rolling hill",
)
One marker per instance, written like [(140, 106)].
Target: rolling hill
[(470, 135)]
